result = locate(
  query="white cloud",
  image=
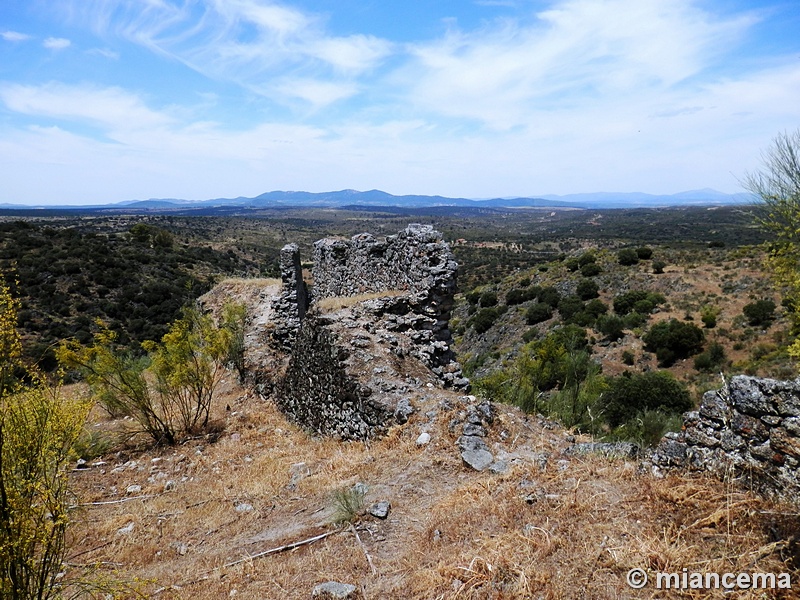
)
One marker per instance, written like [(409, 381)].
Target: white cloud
[(14, 36), (111, 108), (52, 43), (250, 42), (105, 53), (580, 52)]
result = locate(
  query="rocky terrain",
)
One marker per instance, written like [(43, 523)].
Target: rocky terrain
[(358, 464)]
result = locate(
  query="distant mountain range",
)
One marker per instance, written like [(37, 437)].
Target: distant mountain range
[(376, 199)]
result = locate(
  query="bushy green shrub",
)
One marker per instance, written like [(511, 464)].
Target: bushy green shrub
[(587, 289), (673, 339), (484, 318), (631, 393), (659, 266), (591, 269), (569, 307), (549, 295), (713, 357), (760, 313), (627, 257), (644, 253), (627, 302), (488, 299), (538, 312), (612, 326)]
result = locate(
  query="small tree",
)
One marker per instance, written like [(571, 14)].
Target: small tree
[(169, 392), (627, 257), (777, 185), (38, 427), (760, 313)]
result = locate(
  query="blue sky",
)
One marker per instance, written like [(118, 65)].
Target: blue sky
[(110, 100)]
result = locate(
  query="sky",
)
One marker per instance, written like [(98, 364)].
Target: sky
[(110, 100)]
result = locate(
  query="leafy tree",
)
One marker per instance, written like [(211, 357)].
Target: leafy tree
[(587, 289), (644, 253), (627, 257), (630, 393), (591, 269), (538, 312), (184, 369), (760, 313), (38, 427), (659, 266), (777, 185), (673, 339)]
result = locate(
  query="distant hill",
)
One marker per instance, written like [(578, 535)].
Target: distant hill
[(354, 199)]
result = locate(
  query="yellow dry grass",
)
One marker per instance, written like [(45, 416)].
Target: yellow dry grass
[(571, 529), (334, 303)]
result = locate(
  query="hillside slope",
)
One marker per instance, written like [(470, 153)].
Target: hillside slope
[(546, 521)]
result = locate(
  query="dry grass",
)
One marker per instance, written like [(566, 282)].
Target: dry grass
[(569, 530), (334, 303)]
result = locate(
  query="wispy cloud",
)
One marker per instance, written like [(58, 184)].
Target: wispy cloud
[(14, 36), (105, 53), (249, 42), (578, 52), (112, 108), (53, 43)]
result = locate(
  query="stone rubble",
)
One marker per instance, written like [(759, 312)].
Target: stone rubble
[(751, 428)]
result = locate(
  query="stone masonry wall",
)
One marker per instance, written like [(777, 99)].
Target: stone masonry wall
[(751, 428), (347, 375), (291, 305), (416, 260)]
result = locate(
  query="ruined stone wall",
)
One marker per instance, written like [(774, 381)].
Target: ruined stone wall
[(416, 260), (319, 393), (750, 428), (290, 307), (348, 372)]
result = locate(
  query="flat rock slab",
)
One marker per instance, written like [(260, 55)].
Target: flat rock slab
[(334, 590), (474, 452)]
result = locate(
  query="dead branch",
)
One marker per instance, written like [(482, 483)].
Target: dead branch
[(363, 549)]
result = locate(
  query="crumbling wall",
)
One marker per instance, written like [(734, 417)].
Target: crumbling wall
[(291, 305), (348, 373), (416, 260), (750, 428), (319, 393)]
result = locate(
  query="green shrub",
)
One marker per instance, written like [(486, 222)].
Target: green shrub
[(627, 302), (631, 393), (628, 357), (488, 299), (760, 313), (591, 269), (572, 264), (659, 266), (627, 257), (612, 326), (644, 253), (516, 296), (596, 307), (587, 289), (673, 339), (569, 306), (472, 297), (587, 258), (549, 295), (538, 312), (483, 319)]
